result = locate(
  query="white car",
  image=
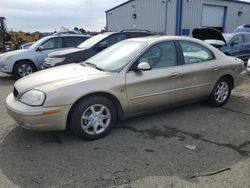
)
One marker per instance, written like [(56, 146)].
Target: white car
[(248, 66), (26, 61)]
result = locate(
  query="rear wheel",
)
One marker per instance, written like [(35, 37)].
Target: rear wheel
[(93, 118), (221, 92), (24, 68)]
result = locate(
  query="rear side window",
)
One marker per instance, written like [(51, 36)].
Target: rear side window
[(195, 53), (73, 41), (246, 38)]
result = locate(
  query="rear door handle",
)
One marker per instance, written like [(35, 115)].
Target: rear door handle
[(174, 75)]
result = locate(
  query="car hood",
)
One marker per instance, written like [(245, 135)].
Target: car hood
[(62, 53), (208, 34), (53, 78), (15, 52)]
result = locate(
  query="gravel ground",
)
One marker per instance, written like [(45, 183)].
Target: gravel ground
[(147, 151)]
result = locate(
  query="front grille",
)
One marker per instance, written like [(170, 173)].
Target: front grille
[(15, 92)]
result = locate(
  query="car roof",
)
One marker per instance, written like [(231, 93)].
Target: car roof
[(233, 34), (159, 38), (127, 31), (67, 35)]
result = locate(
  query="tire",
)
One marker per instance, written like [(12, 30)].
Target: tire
[(24, 68), (93, 118), (221, 92)]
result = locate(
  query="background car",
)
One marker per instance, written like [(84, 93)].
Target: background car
[(248, 66), (130, 77), (27, 45), (242, 28), (233, 44), (26, 61), (91, 47)]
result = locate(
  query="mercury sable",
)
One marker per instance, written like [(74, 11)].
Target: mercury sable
[(130, 77)]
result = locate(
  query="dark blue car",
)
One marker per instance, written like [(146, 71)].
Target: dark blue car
[(233, 44)]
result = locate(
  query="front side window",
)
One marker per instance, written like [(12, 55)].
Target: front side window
[(160, 55), (114, 39), (195, 53), (53, 44), (135, 35), (236, 40), (92, 41)]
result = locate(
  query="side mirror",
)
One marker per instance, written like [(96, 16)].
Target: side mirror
[(234, 43), (102, 45), (144, 66), (41, 48)]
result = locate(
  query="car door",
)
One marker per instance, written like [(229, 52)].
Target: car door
[(158, 86), (246, 38), (199, 71), (237, 46), (47, 47)]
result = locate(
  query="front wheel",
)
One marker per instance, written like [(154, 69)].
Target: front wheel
[(221, 92), (93, 118), (24, 68)]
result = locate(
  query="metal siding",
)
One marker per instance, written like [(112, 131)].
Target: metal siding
[(120, 18), (171, 17), (192, 14), (151, 15)]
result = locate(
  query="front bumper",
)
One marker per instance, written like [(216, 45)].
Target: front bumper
[(37, 118), (6, 67)]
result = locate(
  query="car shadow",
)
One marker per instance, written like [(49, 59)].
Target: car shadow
[(149, 145), (6, 80)]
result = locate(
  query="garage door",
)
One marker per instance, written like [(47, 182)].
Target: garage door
[(213, 16)]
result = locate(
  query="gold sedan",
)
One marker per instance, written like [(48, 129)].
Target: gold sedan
[(130, 77)]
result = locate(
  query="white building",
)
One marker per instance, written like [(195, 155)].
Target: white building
[(178, 17)]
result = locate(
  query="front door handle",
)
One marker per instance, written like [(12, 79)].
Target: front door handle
[(215, 68), (174, 75)]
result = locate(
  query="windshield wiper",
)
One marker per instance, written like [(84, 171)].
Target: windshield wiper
[(92, 65)]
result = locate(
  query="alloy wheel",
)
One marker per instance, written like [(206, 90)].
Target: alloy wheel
[(95, 119)]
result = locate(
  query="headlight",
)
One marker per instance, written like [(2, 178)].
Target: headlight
[(5, 57), (33, 98), (53, 61)]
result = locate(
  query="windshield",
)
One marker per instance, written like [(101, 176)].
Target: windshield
[(228, 37), (37, 43), (92, 41), (117, 56)]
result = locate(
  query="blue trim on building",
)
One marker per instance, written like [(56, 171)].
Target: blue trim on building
[(178, 17), (119, 5), (224, 19)]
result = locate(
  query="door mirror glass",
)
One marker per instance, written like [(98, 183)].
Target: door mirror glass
[(41, 48), (102, 45), (144, 66), (236, 42)]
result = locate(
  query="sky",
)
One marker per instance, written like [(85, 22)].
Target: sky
[(48, 15)]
